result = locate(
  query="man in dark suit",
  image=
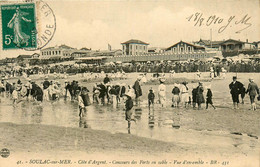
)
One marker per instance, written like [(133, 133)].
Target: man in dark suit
[(235, 89)]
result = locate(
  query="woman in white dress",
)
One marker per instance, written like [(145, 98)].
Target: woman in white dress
[(162, 92), (184, 94)]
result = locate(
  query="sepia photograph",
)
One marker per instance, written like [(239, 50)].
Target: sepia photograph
[(119, 83)]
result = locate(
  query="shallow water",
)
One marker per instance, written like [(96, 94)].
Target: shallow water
[(163, 125), (155, 126)]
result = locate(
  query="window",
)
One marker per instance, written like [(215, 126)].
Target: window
[(59, 52), (56, 52), (53, 52)]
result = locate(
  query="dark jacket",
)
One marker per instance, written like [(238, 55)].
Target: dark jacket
[(106, 80), (137, 88), (46, 84), (209, 94), (176, 91), (103, 90), (151, 96), (200, 97), (122, 91), (129, 104), (194, 94), (235, 88)]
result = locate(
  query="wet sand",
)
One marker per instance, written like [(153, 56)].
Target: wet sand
[(27, 142), (219, 134)]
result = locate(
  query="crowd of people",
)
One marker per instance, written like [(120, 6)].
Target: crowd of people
[(107, 92), (149, 67)]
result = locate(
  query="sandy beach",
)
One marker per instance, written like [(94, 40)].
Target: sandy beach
[(50, 131)]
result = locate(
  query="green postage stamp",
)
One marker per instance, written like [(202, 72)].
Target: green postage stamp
[(19, 26)]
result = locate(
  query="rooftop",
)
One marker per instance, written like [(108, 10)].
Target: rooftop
[(198, 47), (135, 41), (59, 47)]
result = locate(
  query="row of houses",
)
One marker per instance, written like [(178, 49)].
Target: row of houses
[(139, 51)]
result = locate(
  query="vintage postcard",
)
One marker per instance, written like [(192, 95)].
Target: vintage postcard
[(114, 83)]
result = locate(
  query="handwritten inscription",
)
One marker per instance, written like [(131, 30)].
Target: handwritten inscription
[(200, 20)]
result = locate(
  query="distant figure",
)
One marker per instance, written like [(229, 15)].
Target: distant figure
[(253, 90), (84, 101), (243, 93), (172, 73), (162, 92), (151, 97), (46, 85), (103, 92), (128, 109), (194, 96), (2, 87), (36, 92), (106, 79), (200, 98), (184, 93), (235, 89), (176, 96), (209, 98), (224, 71), (138, 90), (15, 97), (122, 90), (212, 73), (198, 74), (144, 79), (218, 71)]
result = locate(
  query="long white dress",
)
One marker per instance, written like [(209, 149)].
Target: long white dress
[(162, 94), (184, 94)]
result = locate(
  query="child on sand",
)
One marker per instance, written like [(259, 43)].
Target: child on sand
[(150, 98), (176, 96)]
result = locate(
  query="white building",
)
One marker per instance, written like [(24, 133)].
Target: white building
[(134, 47)]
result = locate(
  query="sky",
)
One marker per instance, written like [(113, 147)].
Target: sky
[(95, 24)]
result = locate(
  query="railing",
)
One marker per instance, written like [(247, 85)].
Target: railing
[(162, 56)]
